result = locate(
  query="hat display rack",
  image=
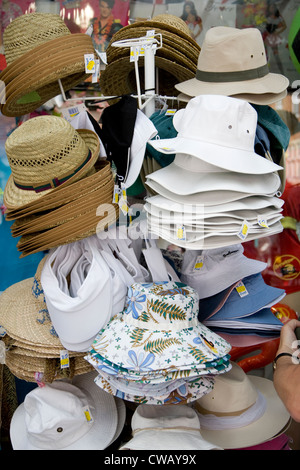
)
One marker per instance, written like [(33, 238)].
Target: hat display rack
[(151, 372)]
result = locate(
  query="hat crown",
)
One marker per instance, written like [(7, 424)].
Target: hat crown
[(44, 148), (219, 120), (28, 31), (227, 49), (171, 304)]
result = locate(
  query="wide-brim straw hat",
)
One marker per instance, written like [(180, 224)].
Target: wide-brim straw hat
[(39, 51), (232, 62), (46, 153), (176, 58)]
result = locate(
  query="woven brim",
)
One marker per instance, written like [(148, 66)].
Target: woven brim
[(82, 204), (118, 78), (31, 85), (62, 195), (15, 197)]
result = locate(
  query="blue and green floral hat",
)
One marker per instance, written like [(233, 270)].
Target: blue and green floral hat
[(159, 324)]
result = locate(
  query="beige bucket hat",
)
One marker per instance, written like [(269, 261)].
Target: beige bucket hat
[(232, 62), (40, 50)]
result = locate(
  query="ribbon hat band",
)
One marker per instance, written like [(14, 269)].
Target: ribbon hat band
[(55, 182), (236, 76)]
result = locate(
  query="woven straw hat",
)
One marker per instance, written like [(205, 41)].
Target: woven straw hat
[(176, 58), (31, 341), (44, 153), (39, 50)]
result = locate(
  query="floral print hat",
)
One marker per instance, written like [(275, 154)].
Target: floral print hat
[(159, 325)]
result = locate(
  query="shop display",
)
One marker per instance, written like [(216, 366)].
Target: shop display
[(143, 221)]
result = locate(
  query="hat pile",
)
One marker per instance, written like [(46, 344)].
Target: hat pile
[(74, 415), (176, 60), (33, 349), (39, 51), (156, 351), (211, 193), (233, 62), (56, 185), (251, 414)]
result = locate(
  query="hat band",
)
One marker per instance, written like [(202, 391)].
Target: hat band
[(237, 76), (55, 182)]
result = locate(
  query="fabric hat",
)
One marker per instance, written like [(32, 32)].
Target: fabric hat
[(50, 144), (185, 176), (218, 269), (39, 51), (219, 130), (251, 414), (166, 428), (74, 307), (66, 416), (263, 99), (239, 66), (158, 317), (250, 296)]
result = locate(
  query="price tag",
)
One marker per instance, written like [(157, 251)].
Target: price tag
[(242, 234), (180, 232), (241, 289), (89, 61), (88, 414), (199, 263), (70, 113), (170, 112), (64, 359), (262, 222)]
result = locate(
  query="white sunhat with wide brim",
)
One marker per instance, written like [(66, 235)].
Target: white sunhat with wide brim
[(53, 417), (219, 130)]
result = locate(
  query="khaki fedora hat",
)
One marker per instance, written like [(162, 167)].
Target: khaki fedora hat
[(40, 50), (232, 62), (45, 153)]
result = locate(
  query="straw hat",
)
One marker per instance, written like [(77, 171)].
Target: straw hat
[(43, 153), (39, 50), (176, 58)]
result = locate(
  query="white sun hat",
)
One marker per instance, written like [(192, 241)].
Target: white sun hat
[(67, 416), (78, 313), (219, 130)]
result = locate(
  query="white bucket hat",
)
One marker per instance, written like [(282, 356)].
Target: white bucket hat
[(212, 271), (233, 61), (219, 130), (67, 416), (166, 427), (144, 130), (251, 414), (184, 177), (79, 311)]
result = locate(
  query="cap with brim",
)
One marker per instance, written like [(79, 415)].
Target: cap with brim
[(49, 143), (158, 317), (166, 428), (219, 130), (182, 178), (239, 66), (94, 431), (208, 198), (233, 425)]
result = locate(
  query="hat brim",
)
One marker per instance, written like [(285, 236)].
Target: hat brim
[(263, 98), (178, 180), (16, 198), (228, 158), (265, 428), (270, 83), (101, 433)]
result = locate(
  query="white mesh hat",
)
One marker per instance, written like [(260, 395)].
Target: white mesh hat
[(211, 271)]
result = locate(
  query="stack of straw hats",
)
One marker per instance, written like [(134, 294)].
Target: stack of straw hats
[(156, 351), (39, 51), (217, 191), (176, 60), (57, 184), (33, 349)]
